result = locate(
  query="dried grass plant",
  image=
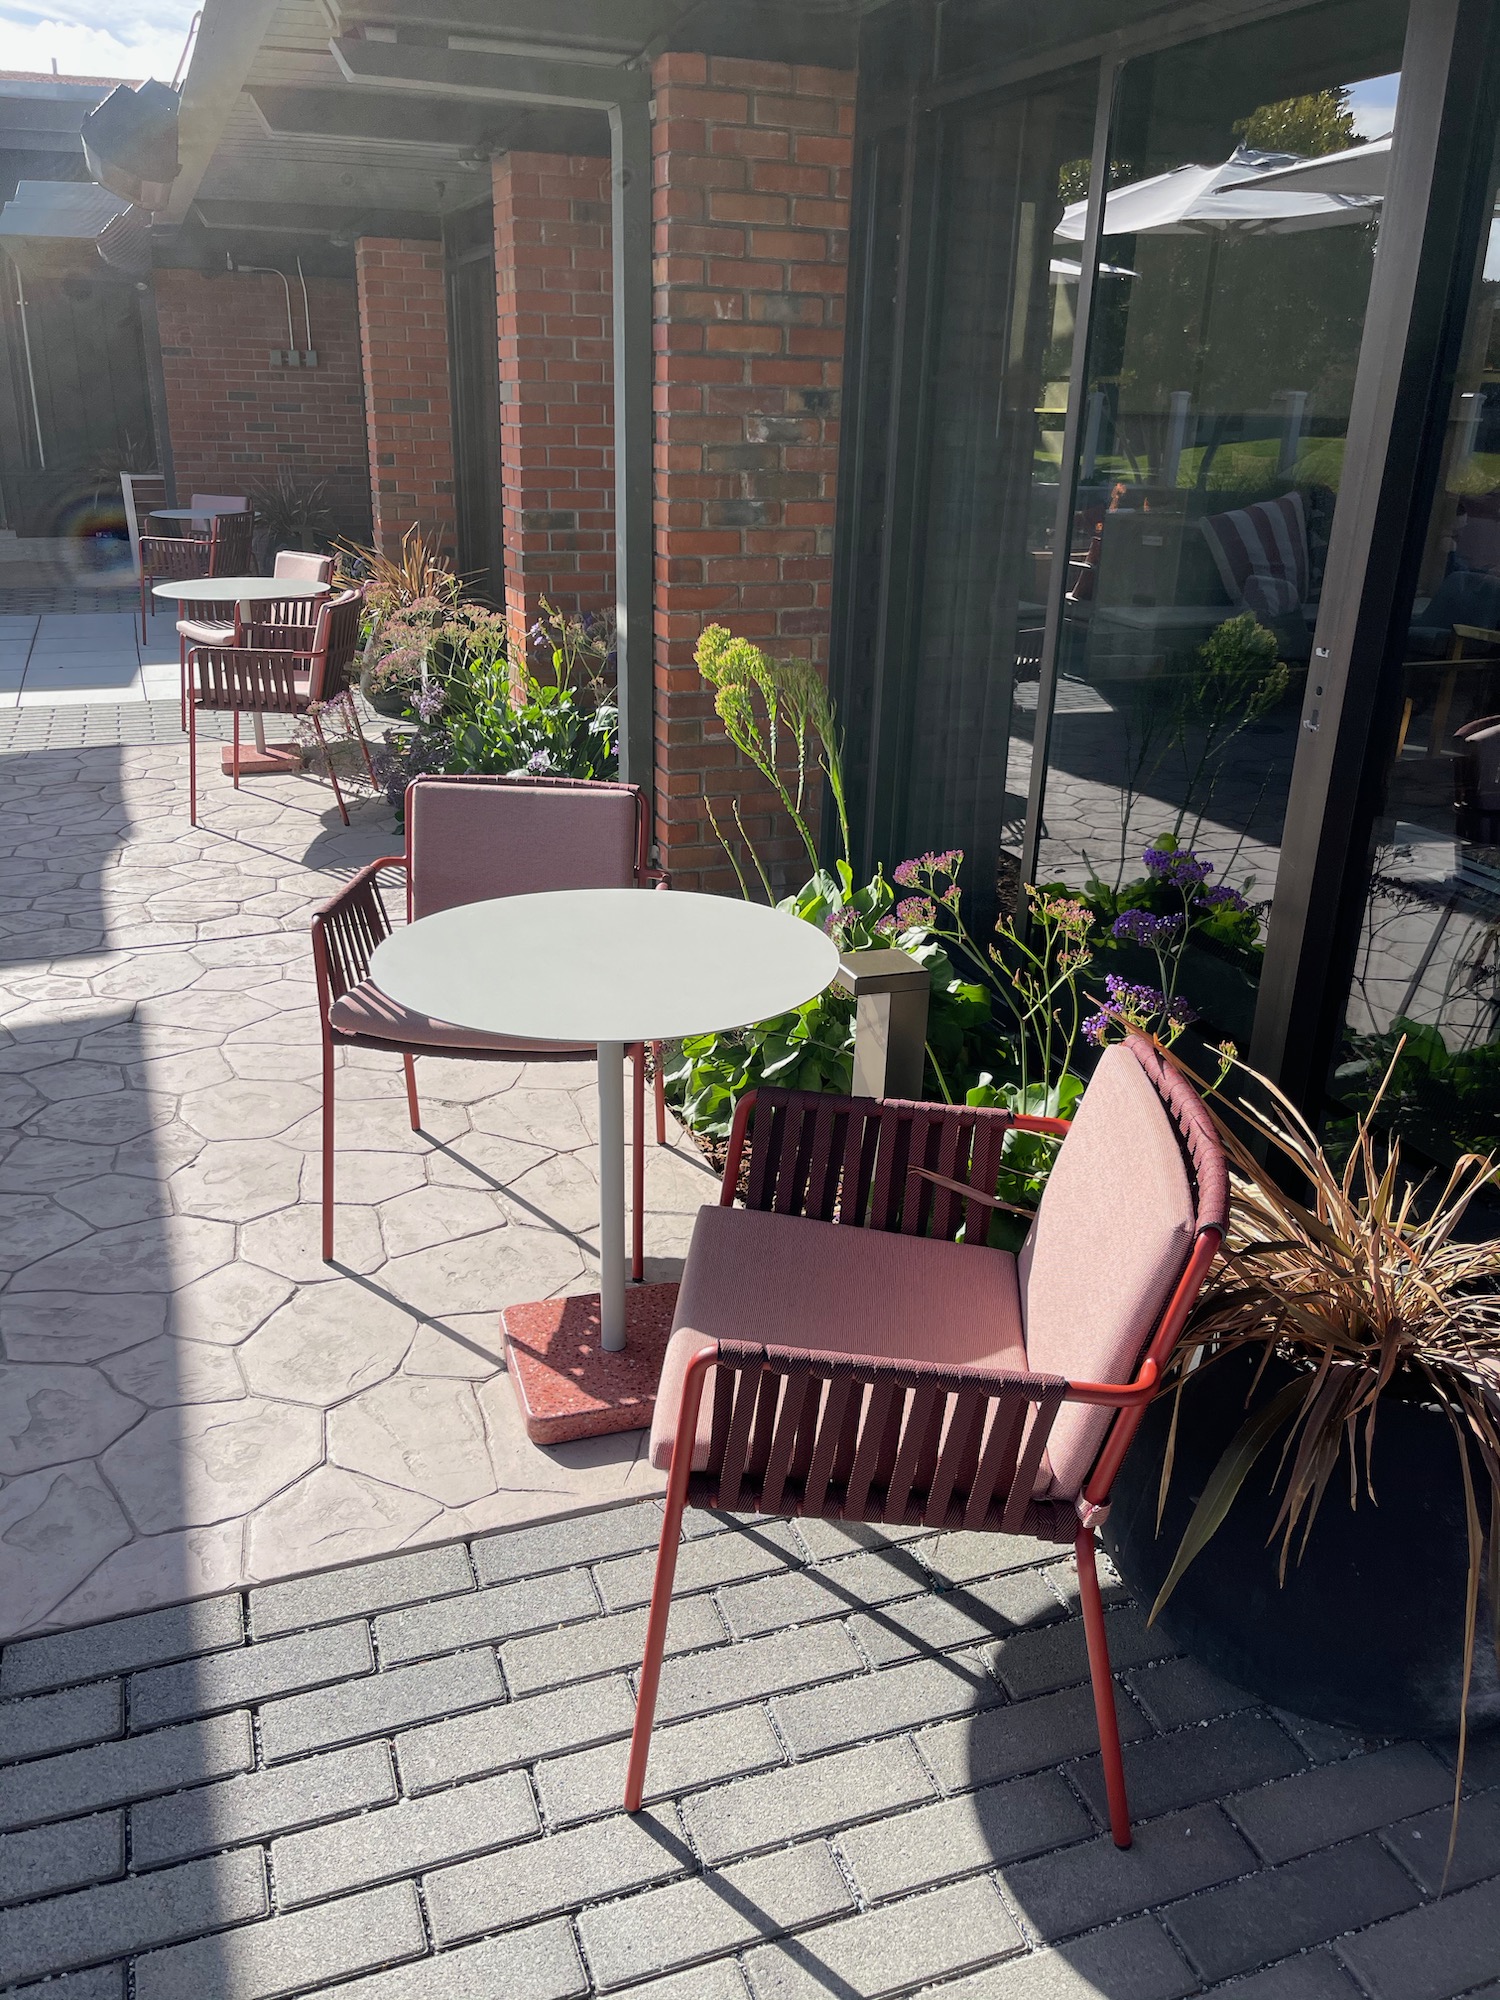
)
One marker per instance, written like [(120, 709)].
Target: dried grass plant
[(1365, 1287), (419, 569)]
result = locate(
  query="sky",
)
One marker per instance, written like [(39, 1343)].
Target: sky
[(126, 38), (1373, 104)]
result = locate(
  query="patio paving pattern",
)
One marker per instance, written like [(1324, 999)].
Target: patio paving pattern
[(874, 1775), (190, 1400)]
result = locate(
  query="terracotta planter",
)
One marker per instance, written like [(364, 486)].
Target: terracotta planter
[(1367, 1632)]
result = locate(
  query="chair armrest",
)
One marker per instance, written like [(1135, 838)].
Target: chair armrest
[(345, 931)]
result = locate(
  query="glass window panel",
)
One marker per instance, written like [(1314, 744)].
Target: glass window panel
[(1226, 333), (1428, 966)]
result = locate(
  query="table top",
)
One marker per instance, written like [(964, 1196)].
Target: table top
[(191, 513), (238, 589), (585, 966)]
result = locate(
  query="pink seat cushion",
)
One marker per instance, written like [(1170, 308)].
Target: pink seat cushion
[(365, 1010), (469, 842), (788, 1282), (1111, 1236), (198, 632)]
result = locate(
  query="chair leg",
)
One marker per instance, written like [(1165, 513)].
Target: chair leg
[(182, 675), (143, 607), (414, 1110), (234, 757), (328, 1075), (192, 725), (359, 732), (638, 1164), (661, 1094), (1104, 1689), (333, 776)]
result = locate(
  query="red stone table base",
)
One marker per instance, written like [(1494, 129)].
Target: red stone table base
[(565, 1383), (258, 763)]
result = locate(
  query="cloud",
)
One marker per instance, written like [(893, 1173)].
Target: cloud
[(133, 38)]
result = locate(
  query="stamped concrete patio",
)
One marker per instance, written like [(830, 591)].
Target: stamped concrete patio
[(190, 1400)]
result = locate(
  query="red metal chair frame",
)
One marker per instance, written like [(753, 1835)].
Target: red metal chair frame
[(345, 932), (225, 550), (857, 1438)]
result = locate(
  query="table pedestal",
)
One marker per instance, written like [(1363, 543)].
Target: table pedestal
[(261, 759), (566, 1383)]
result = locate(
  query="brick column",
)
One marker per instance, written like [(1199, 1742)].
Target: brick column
[(553, 304), (403, 323), (752, 171)]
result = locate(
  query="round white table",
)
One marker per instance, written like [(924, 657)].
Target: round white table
[(245, 592), (191, 513), (606, 967)]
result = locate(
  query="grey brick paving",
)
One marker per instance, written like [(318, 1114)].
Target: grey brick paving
[(899, 1797), (68, 1854), (1284, 1909), (49, 1722), (289, 1955), (716, 1912), (254, 1673), (345, 1593), (181, 1632)]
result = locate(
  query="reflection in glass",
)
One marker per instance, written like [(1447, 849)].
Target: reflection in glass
[(1429, 960), (1229, 311)]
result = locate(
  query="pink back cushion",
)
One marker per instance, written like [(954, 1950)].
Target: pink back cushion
[(306, 568), (223, 503), (469, 842), (1110, 1239)]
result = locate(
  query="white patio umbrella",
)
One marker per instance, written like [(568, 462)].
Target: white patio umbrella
[(1192, 201), (1361, 170)]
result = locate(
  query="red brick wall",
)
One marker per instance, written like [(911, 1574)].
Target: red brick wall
[(752, 170), (553, 304), (403, 323), (234, 419)]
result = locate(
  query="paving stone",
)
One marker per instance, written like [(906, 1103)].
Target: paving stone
[(1060, 1894), (1041, 1658), (964, 1556), (685, 1756), (1165, 1773), (514, 1733), (102, 1982), (888, 1950), (290, 1955), (508, 1611), (722, 1980), (1131, 1961), (1422, 1844), (47, 1413), (63, 1659), (58, 1721), (332, 1516), (765, 1550), (916, 1850), (1313, 1976), (277, 1608), (1286, 1909), (186, 1467), (604, 1645), (56, 1526), (109, 1774), (826, 1539), (400, 1839), (716, 1913), (851, 1584), (827, 1718), (969, 1616), (1177, 1692), (1007, 1742), (237, 1810), (558, 1872), (702, 1682), (375, 1706), (132, 1915), (537, 1964), (70, 1855), (1320, 1740), (1431, 1953), (426, 1435), (817, 1797), (581, 1538), (251, 1674), (1337, 1801)]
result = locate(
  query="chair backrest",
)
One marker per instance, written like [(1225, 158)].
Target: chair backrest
[(335, 643), (175, 557), (303, 565), (1139, 1176), (138, 502), (469, 839), (219, 503), (231, 544)]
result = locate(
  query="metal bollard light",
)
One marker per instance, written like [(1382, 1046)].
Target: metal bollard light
[(890, 1021)]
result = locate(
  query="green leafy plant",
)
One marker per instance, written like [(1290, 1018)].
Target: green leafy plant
[(292, 512), (1445, 1101)]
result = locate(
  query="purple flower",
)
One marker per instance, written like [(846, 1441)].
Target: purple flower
[(1221, 897), (915, 912), (838, 921), (1178, 865), (428, 701), (1095, 1028), (885, 926), (919, 872), (906, 874), (1133, 998), (1180, 1012), (1140, 927)]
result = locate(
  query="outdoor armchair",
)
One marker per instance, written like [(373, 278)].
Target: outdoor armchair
[(266, 680), (837, 1353), (279, 622), (470, 838), (225, 550)]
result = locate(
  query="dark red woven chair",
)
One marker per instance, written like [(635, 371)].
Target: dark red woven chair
[(837, 1353), (470, 838), (284, 623), (265, 680), (226, 550)]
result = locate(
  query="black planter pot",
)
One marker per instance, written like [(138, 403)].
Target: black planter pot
[(1367, 1632)]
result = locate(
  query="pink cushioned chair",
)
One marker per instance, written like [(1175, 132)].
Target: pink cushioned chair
[(280, 622), (469, 839), (836, 1352)]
